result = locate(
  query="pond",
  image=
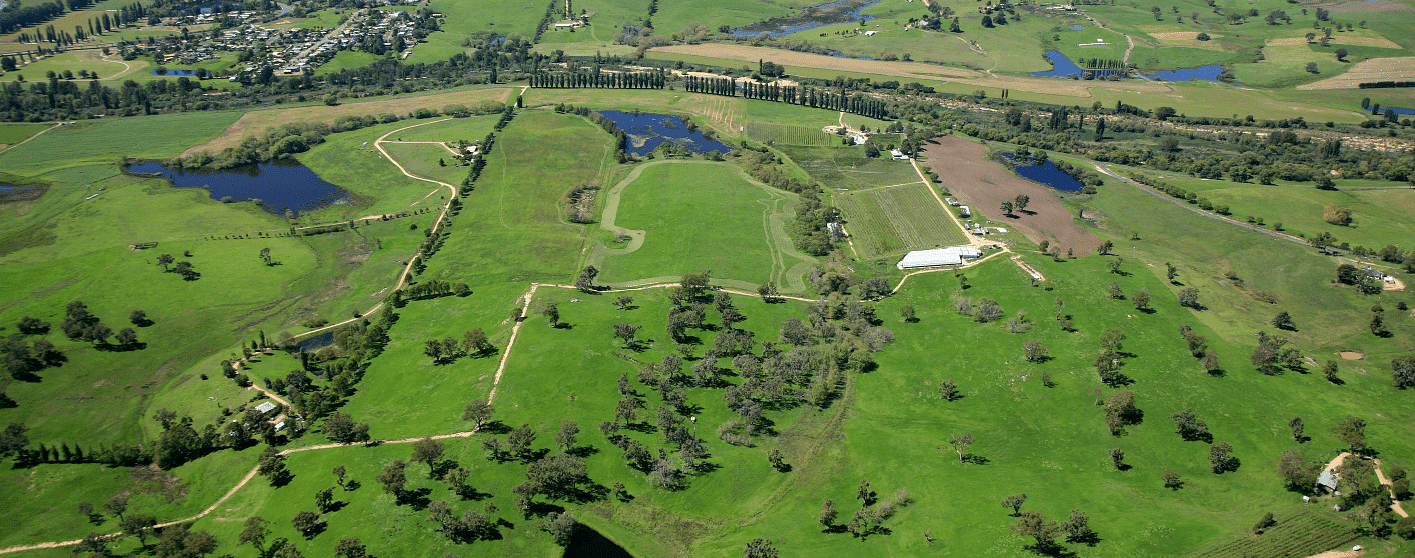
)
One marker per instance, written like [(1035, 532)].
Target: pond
[(648, 131), (1206, 73), (589, 543), (1064, 67), (1046, 174), (172, 72), (839, 11), (839, 54), (279, 185), (1397, 110)]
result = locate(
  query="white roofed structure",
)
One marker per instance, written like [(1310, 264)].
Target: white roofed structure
[(952, 255)]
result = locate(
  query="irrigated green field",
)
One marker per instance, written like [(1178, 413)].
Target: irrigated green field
[(896, 219), (688, 216), (847, 168)]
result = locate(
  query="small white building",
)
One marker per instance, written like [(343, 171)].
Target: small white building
[(265, 407), (966, 212), (898, 155), (951, 255), (951, 201)]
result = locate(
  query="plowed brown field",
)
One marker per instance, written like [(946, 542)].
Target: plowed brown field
[(983, 184)]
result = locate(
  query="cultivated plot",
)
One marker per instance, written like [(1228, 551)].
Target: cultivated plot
[(847, 168), (895, 219)]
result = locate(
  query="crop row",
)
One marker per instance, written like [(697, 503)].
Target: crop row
[(1302, 535)]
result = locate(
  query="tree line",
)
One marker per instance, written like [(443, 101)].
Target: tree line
[(599, 80)]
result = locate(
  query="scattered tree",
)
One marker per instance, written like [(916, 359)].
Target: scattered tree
[(760, 548), (1352, 431), (1296, 425), (1189, 297), (1117, 456), (1172, 480), (350, 548), (948, 390), (1221, 458), (478, 411), (960, 444), (427, 451), (1015, 502), (1283, 320), (552, 313), (306, 522), (1034, 350), (827, 514), (623, 302)]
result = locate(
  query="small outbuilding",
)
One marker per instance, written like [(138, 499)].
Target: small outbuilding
[(265, 407), (1328, 480)]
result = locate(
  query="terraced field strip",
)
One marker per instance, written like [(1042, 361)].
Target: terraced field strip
[(886, 220), (1305, 534), (789, 134)]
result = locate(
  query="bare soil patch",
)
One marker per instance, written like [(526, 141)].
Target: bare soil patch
[(257, 121), (1363, 6), (983, 185), (1351, 355), (1180, 36), (1375, 69)]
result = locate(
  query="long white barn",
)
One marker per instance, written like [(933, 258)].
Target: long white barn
[(952, 255)]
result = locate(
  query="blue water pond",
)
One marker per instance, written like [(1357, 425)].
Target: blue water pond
[(1397, 110), (279, 185), (648, 131), (810, 18), (171, 72), (1076, 27), (1046, 174), (1064, 67)]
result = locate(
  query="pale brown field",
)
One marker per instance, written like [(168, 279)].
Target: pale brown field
[(913, 70), (1180, 36), (1363, 6), (1375, 69), (257, 121), (1344, 39), (983, 185)]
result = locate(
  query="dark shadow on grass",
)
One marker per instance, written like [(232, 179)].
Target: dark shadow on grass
[(416, 498), (583, 451), (1054, 550), (495, 428), (352, 485), (975, 459)]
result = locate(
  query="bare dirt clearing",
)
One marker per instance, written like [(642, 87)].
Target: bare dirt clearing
[(984, 185), (1375, 69), (1180, 36), (909, 70), (1348, 355), (256, 121)]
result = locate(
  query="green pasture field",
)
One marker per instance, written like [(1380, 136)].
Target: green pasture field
[(347, 60), (422, 160), (1380, 217), (317, 20), (895, 219), (503, 17), (674, 17), (472, 129), (73, 61), (513, 208), (1329, 317), (11, 134), (379, 187), (43, 502), (847, 168), (1285, 65), (67, 21), (108, 141), (687, 216)]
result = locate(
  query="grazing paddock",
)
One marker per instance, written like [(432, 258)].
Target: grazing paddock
[(847, 168), (895, 219), (984, 185), (1376, 69), (256, 121)]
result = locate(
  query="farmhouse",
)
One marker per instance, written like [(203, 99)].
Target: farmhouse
[(952, 255)]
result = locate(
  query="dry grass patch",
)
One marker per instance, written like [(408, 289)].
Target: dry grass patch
[(912, 70), (1181, 36), (1368, 6), (1375, 69), (1345, 39), (256, 121)]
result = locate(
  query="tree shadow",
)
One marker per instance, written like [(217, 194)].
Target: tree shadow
[(282, 479), (583, 451), (1218, 372), (1147, 310), (641, 427), (1123, 467), (315, 530), (335, 506), (1054, 550), (416, 498), (351, 485), (563, 325), (494, 427), (472, 494), (144, 322), (975, 459)]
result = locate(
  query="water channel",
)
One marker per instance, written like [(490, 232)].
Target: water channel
[(839, 11)]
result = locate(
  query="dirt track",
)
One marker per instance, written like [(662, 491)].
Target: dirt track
[(984, 185), (256, 121)]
